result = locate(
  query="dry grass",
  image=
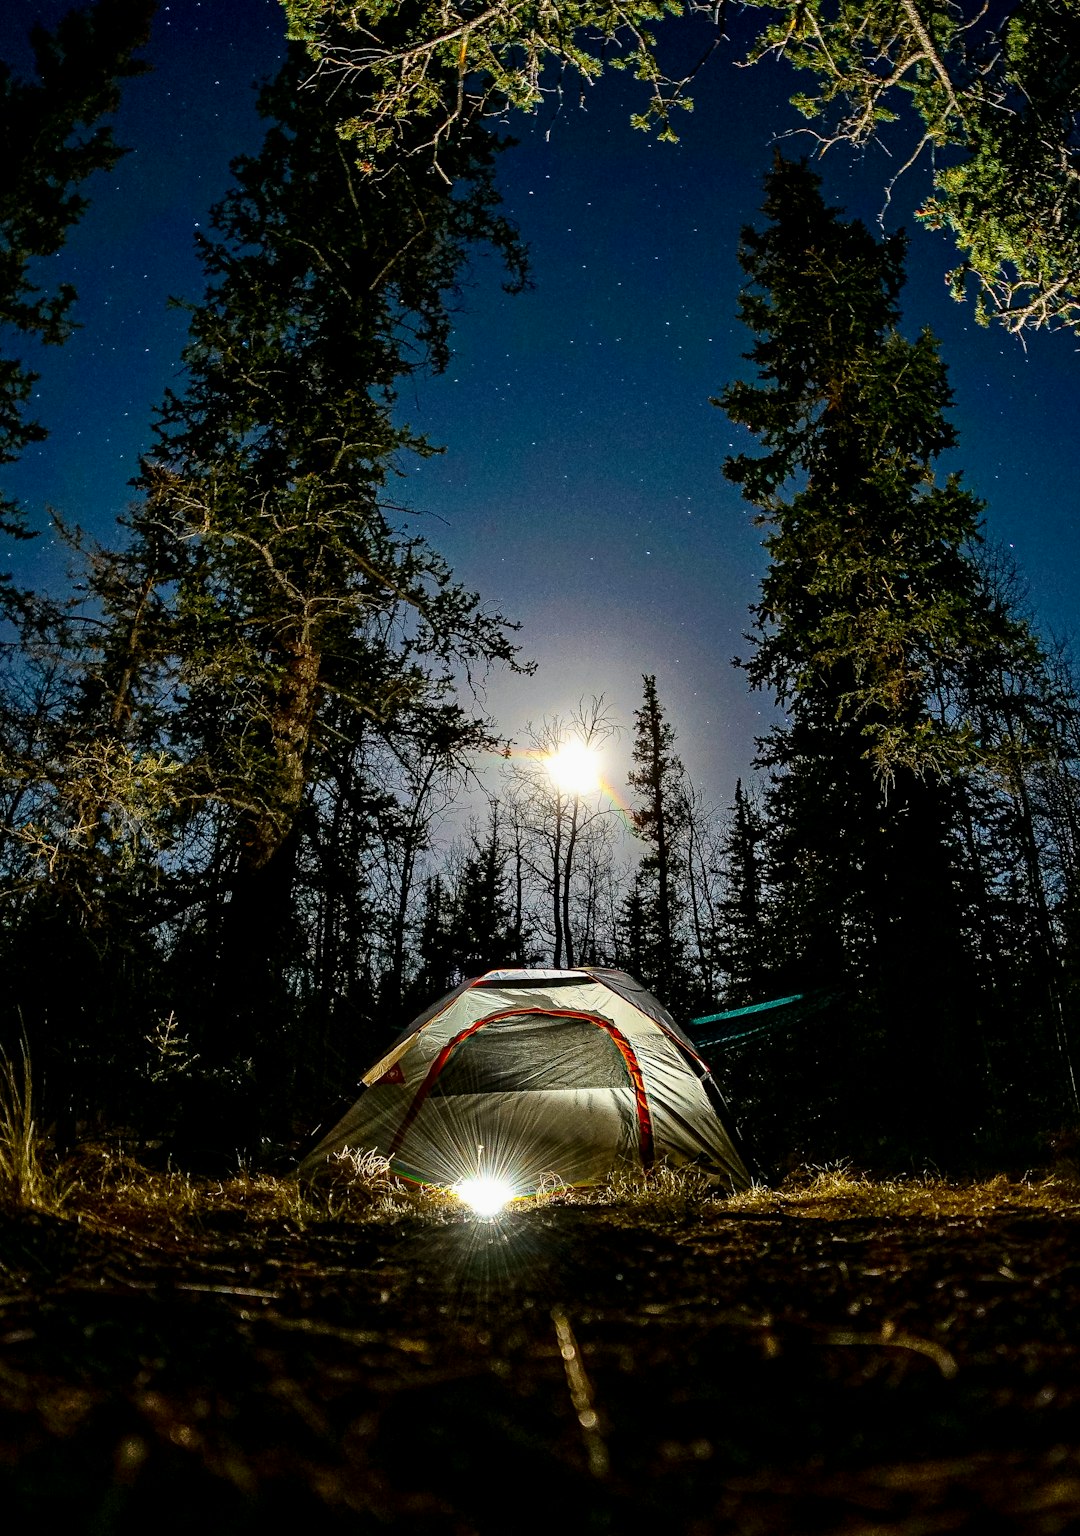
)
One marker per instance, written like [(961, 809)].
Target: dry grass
[(111, 1188), (354, 1186), (839, 1193), (673, 1193), (830, 1194), (106, 1186), (27, 1181)]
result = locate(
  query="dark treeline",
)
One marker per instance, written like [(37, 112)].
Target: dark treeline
[(228, 755), (223, 752)]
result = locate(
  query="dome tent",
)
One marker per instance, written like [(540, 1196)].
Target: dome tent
[(539, 1077)]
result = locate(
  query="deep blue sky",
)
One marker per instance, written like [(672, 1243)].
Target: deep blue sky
[(581, 489)]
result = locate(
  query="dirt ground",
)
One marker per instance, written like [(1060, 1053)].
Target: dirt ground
[(820, 1362)]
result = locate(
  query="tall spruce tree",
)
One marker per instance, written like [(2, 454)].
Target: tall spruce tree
[(469, 924), (658, 781), (741, 939), (485, 933), (871, 607)]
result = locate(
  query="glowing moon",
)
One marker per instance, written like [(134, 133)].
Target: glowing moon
[(575, 768)]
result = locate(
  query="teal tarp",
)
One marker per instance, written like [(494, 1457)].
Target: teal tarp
[(738, 1024)]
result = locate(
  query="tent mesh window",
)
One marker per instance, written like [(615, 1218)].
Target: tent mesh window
[(533, 1051)]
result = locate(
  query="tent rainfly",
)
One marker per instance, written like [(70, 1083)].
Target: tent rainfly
[(536, 1077)]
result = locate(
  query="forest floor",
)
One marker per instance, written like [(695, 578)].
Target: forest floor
[(835, 1356)]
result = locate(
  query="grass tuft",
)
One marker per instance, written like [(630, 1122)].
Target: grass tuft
[(27, 1181), (359, 1185), (673, 1193), (111, 1187)]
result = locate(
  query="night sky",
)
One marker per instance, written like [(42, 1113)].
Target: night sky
[(581, 491)]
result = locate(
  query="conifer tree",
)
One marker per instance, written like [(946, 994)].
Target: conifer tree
[(871, 583), (659, 818), (485, 932), (54, 134), (871, 607), (436, 967), (742, 940)]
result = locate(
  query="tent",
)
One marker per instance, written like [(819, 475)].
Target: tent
[(535, 1078)]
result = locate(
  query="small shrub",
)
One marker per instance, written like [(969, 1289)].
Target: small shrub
[(170, 1053)]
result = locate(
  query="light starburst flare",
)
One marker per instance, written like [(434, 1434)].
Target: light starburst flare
[(485, 1195)]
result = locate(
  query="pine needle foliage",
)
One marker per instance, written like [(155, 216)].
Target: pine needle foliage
[(984, 99), (54, 134), (873, 597)]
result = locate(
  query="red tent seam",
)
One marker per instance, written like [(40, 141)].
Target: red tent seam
[(626, 1051)]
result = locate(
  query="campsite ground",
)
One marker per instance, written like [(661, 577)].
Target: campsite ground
[(838, 1356)]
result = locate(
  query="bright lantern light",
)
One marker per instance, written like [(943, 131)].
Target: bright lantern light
[(575, 768), (485, 1196)]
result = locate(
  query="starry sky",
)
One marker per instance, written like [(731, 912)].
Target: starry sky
[(581, 489)]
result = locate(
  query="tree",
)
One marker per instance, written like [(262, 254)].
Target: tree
[(742, 940), (1002, 95), (269, 629), (635, 930), (428, 770), (437, 968), (872, 613), (469, 923), (1023, 838), (486, 928), (999, 93), (52, 138), (54, 135), (659, 819), (705, 893), (435, 64), (560, 820), (872, 591)]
